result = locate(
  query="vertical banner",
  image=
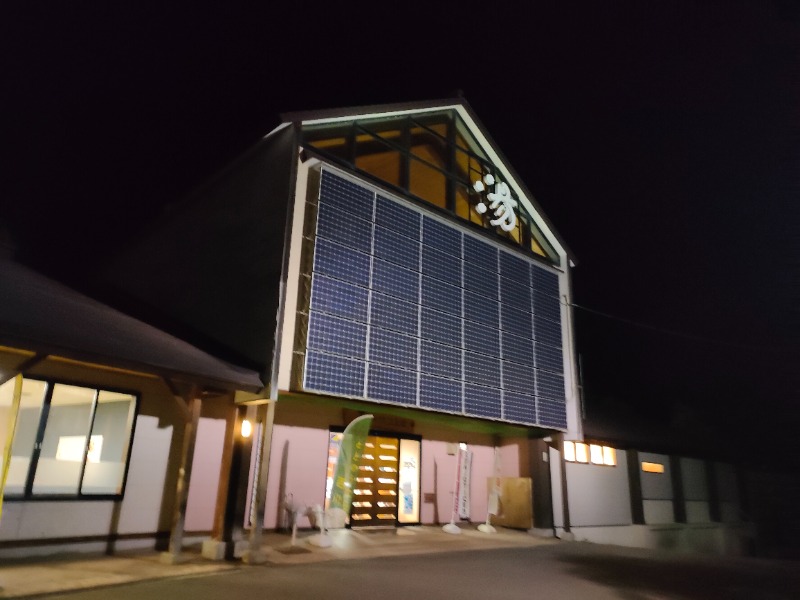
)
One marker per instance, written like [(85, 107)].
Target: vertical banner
[(464, 481), (350, 451), (494, 486), (8, 434)]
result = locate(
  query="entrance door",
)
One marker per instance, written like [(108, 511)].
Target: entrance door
[(375, 493)]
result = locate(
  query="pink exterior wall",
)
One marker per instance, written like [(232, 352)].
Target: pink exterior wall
[(205, 475), (298, 462)]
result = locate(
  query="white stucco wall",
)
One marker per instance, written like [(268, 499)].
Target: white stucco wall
[(598, 494), (205, 475)]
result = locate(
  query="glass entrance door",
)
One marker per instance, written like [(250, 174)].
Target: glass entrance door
[(375, 493)]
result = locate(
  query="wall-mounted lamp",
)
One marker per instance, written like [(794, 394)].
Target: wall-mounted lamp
[(247, 428)]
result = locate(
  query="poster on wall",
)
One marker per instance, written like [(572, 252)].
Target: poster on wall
[(409, 481)]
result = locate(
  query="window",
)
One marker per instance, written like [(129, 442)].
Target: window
[(590, 453), (651, 467), (432, 157), (69, 441)]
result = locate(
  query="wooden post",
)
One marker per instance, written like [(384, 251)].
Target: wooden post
[(265, 416), (173, 555)]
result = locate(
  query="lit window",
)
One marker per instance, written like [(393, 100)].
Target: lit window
[(569, 451), (586, 453), (651, 467), (69, 441)]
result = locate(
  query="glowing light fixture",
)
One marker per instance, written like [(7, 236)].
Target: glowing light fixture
[(247, 428)]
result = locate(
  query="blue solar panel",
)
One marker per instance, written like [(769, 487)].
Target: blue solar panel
[(438, 359), (482, 401), (519, 407), (544, 281), (336, 336), (515, 267), (520, 378), (442, 237), (518, 349), (546, 306), (552, 413), (340, 262), (546, 331), (516, 321), (396, 248), (339, 298), (549, 385), (334, 374), (481, 339), (441, 327), (482, 309), (515, 293), (440, 265), (393, 385), (346, 195), (480, 281), (549, 358), (394, 280), (392, 348), (366, 281), (482, 369), (392, 313), (480, 254), (441, 296), (389, 213), (333, 224), (440, 394)]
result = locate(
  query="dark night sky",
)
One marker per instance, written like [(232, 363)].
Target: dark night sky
[(661, 138)]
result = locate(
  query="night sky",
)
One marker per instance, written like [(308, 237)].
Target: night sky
[(661, 138)]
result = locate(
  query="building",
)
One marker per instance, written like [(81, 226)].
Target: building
[(383, 260)]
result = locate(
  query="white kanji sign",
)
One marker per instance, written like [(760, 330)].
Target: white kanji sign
[(500, 201)]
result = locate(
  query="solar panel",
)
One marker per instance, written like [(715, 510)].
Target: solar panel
[(438, 359), (349, 197), (440, 394), (339, 298), (477, 332), (396, 248), (338, 226), (334, 374), (389, 213), (441, 265), (394, 280), (337, 261), (482, 401), (393, 385), (481, 339), (441, 327), (440, 236), (392, 348), (336, 336), (392, 313)]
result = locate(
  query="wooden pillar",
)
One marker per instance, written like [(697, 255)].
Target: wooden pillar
[(265, 417), (542, 493), (173, 555)]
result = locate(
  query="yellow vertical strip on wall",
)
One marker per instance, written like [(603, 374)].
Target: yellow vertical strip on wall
[(12, 426)]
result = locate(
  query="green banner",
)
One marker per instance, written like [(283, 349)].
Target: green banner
[(350, 451), (7, 437)]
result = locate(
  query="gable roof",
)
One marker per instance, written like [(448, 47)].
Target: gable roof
[(467, 114), (43, 316)]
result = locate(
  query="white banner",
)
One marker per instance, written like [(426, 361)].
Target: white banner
[(464, 477)]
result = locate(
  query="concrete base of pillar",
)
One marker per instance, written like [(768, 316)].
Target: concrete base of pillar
[(254, 558), (567, 536), (545, 533), (214, 549), (168, 558), (240, 547)]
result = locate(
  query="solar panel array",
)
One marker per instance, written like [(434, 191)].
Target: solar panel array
[(410, 310)]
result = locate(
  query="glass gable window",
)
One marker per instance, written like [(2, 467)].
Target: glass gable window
[(432, 157), (69, 441)]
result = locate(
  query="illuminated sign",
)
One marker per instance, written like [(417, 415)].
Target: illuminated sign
[(500, 201)]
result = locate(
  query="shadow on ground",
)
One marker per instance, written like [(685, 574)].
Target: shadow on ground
[(686, 577)]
